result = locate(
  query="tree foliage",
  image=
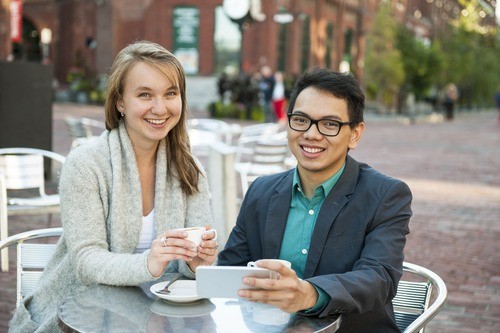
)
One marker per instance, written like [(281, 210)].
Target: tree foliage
[(472, 53), (465, 53), (422, 63), (384, 71)]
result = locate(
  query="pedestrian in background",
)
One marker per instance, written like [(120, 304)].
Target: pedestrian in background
[(266, 87), (450, 97), (497, 102), (279, 100), (124, 194)]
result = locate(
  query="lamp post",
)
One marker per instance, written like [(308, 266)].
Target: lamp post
[(45, 39), (238, 11), (283, 16), (243, 12)]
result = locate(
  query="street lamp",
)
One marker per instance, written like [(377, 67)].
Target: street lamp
[(45, 39), (283, 16), (238, 12), (243, 12)]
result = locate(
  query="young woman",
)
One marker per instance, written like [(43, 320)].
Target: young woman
[(124, 195)]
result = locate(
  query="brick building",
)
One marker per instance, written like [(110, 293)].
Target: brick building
[(322, 32), (89, 33)]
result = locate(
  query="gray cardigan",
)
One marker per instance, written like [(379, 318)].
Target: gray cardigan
[(101, 213)]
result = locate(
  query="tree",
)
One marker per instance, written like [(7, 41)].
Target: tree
[(471, 57), (422, 63), (384, 71)]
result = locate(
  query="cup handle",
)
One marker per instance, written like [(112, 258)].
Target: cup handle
[(212, 231)]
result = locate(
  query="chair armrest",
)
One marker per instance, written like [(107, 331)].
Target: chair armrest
[(32, 234), (442, 294)]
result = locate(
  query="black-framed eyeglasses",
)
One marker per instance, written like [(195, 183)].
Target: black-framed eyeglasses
[(327, 127)]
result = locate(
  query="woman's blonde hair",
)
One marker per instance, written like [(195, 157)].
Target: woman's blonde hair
[(177, 139)]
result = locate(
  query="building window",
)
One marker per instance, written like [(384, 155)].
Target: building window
[(227, 43), (306, 43), (282, 39), (329, 45), (186, 25), (348, 45)]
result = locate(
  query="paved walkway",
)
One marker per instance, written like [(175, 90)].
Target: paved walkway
[(453, 169)]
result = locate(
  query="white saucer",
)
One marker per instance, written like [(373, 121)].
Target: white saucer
[(181, 291), (194, 309)]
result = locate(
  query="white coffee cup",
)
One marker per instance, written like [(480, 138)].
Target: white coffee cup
[(274, 275), (195, 234)]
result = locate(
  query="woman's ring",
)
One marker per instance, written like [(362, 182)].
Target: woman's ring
[(163, 241), (217, 246)]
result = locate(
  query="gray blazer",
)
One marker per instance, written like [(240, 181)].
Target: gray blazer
[(101, 213), (356, 251)]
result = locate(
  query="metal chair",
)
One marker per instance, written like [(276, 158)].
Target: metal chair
[(83, 129), (32, 258), (205, 132), (269, 157), (412, 306), (223, 130), (252, 134), (24, 184)]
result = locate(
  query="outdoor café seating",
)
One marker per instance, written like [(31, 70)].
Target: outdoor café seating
[(33, 254), (268, 157), (24, 174), (421, 294), (412, 305), (83, 129)]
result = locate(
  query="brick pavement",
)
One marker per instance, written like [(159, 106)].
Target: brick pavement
[(453, 170)]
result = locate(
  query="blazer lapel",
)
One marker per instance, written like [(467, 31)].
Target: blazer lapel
[(277, 214), (334, 202)]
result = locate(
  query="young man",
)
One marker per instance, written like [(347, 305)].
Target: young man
[(341, 224)]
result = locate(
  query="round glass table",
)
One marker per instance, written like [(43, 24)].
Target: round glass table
[(133, 309)]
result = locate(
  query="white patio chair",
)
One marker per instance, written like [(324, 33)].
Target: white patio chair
[(4, 254), (24, 183), (250, 135), (269, 157), (412, 306), (223, 130), (32, 258), (83, 129), (205, 132)]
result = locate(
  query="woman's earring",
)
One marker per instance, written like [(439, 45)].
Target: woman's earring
[(122, 114)]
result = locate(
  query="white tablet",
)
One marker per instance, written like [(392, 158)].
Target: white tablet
[(225, 281)]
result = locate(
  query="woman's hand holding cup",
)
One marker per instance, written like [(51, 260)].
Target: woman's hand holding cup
[(205, 241), (189, 244)]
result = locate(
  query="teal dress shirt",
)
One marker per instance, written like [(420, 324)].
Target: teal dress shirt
[(300, 225)]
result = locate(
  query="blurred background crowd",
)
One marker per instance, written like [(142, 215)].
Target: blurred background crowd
[(407, 53)]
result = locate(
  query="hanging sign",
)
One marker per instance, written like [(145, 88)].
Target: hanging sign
[(186, 24), (16, 21)]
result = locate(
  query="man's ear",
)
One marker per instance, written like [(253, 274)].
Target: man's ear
[(356, 134)]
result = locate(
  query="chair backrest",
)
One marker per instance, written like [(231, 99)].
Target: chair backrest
[(23, 168), (270, 152), (83, 129), (252, 134), (23, 172), (412, 307), (32, 258), (224, 131), (269, 157)]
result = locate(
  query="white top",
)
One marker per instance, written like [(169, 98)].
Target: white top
[(279, 91), (147, 233)]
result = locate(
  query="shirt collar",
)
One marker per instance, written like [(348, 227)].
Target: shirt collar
[(325, 186)]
